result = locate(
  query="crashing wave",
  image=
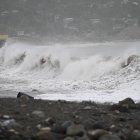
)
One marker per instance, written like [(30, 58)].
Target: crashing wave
[(61, 62), (131, 59)]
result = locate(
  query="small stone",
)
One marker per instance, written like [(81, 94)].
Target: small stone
[(120, 108), (23, 105), (57, 128), (87, 108), (38, 113), (75, 130), (68, 138), (9, 124), (100, 125), (61, 128), (121, 119), (95, 134), (66, 124), (13, 135), (85, 137), (89, 124), (117, 111), (50, 121), (45, 129), (13, 131), (114, 128), (39, 126), (6, 117), (76, 119), (109, 137), (135, 135), (44, 134)]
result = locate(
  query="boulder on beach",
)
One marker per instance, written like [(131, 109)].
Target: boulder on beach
[(24, 96)]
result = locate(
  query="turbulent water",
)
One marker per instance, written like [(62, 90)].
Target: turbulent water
[(102, 72)]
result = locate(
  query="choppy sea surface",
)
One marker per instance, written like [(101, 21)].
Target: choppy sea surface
[(101, 72)]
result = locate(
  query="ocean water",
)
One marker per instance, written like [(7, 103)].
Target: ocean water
[(101, 72)]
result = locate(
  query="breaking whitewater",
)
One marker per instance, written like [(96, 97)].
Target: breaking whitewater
[(101, 72)]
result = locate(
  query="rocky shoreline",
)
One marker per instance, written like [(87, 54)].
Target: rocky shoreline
[(60, 120)]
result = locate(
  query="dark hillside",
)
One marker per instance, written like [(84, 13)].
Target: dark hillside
[(89, 19)]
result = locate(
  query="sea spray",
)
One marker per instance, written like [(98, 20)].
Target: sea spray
[(92, 71)]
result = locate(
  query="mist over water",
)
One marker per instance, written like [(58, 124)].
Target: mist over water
[(82, 71)]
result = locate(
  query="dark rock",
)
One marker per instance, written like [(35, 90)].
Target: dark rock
[(100, 125), (75, 130), (13, 135), (109, 137), (89, 124), (76, 119), (138, 105), (24, 96), (66, 124), (128, 102), (57, 128), (124, 105), (121, 119), (124, 133), (114, 128), (120, 108)]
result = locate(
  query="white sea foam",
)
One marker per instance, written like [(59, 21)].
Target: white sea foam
[(92, 71)]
